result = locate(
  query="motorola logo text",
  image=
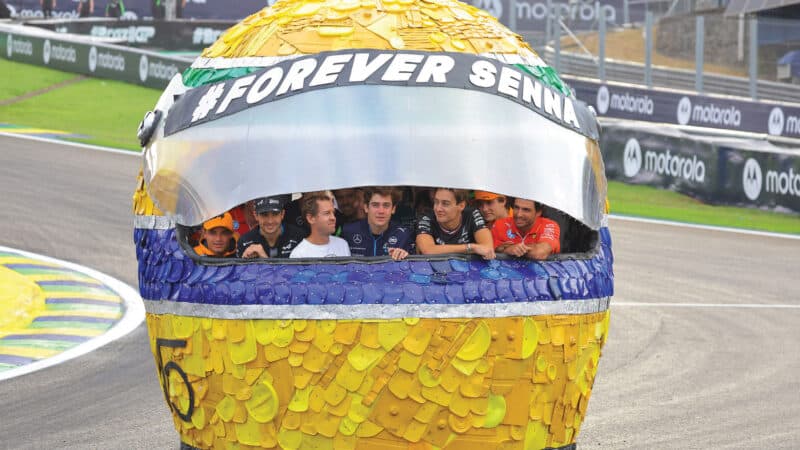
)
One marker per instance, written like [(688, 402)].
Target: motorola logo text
[(784, 183), (105, 60), (775, 182), (632, 158), (779, 124), (674, 165), (58, 52), (635, 104), (17, 46), (493, 7), (752, 179), (155, 69)]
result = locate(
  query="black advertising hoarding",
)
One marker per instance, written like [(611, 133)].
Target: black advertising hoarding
[(662, 106), (718, 171), (666, 160), (139, 9), (167, 35), (104, 61), (762, 179)]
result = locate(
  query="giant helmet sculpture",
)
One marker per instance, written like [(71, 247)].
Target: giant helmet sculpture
[(436, 352)]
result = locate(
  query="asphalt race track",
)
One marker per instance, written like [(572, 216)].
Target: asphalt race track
[(672, 376)]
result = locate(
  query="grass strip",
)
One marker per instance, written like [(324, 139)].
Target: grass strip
[(645, 201), (107, 112), (21, 79)]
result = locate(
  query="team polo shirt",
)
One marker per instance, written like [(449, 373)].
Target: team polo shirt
[(471, 222), (543, 230), (363, 243), (289, 239)]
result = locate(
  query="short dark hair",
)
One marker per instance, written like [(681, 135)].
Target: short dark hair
[(384, 191), (309, 206), (460, 194), (537, 206)]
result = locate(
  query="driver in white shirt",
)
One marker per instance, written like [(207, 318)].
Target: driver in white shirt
[(320, 215)]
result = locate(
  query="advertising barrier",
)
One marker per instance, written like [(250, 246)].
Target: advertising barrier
[(168, 35), (717, 170), (140, 9), (86, 57), (662, 106), (531, 15)]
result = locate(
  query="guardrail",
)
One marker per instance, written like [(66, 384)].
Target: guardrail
[(88, 56), (628, 72)]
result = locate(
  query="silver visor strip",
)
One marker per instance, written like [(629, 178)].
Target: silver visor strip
[(354, 312), (374, 135), (153, 222)]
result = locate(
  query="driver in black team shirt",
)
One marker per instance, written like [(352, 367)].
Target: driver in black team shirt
[(270, 239), (453, 228)]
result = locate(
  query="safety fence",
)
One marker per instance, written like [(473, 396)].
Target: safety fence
[(717, 170), (88, 56)]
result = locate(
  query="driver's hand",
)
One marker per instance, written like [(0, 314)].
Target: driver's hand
[(518, 250), (485, 251), (254, 251), (397, 254)]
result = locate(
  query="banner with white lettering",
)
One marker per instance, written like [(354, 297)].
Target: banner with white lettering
[(144, 9), (735, 172), (374, 67), (97, 60), (654, 105), (531, 15), (187, 35)]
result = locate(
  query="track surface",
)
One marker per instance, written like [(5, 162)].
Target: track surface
[(671, 377)]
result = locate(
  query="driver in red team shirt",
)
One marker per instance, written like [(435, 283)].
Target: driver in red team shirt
[(527, 234)]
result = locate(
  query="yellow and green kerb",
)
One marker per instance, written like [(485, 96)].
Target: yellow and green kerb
[(510, 383)]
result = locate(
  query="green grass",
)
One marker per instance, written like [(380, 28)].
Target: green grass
[(645, 201), (107, 112), (20, 79)]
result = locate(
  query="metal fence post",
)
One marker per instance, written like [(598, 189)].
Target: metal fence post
[(699, 37), (626, 15), (557, 39), (601, 47), (754, 56), (512, 15), (648, 49)]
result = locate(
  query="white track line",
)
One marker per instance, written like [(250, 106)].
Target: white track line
[(134, 315), (708, 305), (706, 227), (71, 144), (611, 216)]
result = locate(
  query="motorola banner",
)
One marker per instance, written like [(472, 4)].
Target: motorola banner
[(165, 35), (743, 175), (145, 9), (651, 105), (104, 61), (531, 15)]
